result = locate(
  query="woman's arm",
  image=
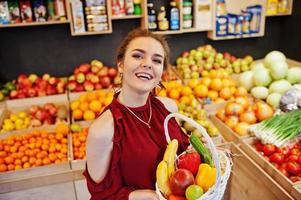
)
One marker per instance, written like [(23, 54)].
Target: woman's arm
[(100, 146), (169, 104)]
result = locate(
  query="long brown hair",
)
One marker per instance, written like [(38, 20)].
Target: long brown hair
[(142, 33)]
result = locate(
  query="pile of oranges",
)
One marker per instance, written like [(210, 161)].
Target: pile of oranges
[(217, 86), (37, 148), (79, 144), (88, 106)]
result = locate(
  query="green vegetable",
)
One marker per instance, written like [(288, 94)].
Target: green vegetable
[(201, 149)]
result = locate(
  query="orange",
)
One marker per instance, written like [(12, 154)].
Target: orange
[(77, 114), (84, 106), (213, 94), (61, 130), (201, 91), (100, 93), (9, 160), (108, 100), (91, 96), (38, 162), (216, 84), (83, 98), (75, 105), (193, 83), (186, 91), (226, 82), (52, 157), (185, 100), (174, 94), (162, 93), (3, 168), (95, 106), (46, 161), (89, 115), (206, 81), (2, 160), (18, 167), (32, 160), (26, 165), (241, 91), (205, 73), (225, 93)]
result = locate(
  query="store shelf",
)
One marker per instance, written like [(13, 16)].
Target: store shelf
[(211, 35), (34, 24), (92, 33), (126, 17), (168, 32), (280, 14)]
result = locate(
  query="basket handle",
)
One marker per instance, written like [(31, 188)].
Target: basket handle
[(204, 133)]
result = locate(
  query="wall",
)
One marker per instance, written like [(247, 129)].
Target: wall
[(51, 49)]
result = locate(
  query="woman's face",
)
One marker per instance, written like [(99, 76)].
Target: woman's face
[(142, 65)]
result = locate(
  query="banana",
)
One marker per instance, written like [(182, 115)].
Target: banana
[(162, 178), (170, 156)]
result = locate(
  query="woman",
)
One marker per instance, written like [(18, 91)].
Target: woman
[(126, 143)]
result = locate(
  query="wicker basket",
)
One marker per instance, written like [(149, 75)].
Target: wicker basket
[(221, 160)]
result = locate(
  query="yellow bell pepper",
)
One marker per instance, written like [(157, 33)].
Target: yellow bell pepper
[(206, 176)]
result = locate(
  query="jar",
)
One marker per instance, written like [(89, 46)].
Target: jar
[(163, 25), (187, 8), (187, 21)]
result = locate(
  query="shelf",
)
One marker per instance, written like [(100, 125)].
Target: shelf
[(92, 33), (34, 24), (126, 17), (168, 32), (191, 30), (210, 36), (279, 14)]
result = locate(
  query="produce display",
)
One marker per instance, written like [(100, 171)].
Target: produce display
[(34, 149), (192, 64), (79, 143), (270, 79), (242, 112), (188, 106), (5, 89), (93, 76), (89, 105), (35, 116), (33, 86)]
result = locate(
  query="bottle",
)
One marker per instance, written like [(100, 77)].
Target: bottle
[(162, 21), (152, 25), (129, 4), (174, 16), (137, 7)]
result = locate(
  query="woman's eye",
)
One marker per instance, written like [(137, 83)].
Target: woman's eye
[(158, 61), (138, 56)]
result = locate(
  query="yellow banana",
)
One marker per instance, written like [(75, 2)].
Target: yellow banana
[(162, 178), (170, 156)]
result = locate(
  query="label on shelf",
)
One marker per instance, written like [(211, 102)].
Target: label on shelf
[(78, 16), (203, 14)]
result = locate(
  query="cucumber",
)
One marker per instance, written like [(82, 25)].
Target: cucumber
[(201, 149)]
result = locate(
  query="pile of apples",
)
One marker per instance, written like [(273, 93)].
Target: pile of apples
[(192, 63), (93, 76), (33, 85)]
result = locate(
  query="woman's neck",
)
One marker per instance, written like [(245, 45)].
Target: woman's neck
[(131, 98)]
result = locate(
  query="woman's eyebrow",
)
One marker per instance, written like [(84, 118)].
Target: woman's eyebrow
[(143, 51)]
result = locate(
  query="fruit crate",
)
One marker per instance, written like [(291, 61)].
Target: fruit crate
[(268, 167), (18, 105), (24, 174), (247, 179), (296, 192)]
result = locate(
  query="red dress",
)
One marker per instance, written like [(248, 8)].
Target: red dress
[(137, 150)]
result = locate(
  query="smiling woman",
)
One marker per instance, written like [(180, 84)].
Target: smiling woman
[(127, 142)]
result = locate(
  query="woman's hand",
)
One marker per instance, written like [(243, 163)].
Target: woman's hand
[(143, 195)]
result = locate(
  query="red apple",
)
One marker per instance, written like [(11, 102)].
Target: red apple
[(71, 85), (89, 76), (76, 71), (95, 69), (88, 85), (94, 79), (13, 94), (40, 115), (31, 92), (42, 84), (53, 81), (33, 109), (190, 161), (112, 72), (79, 88), (80, 77), (105, 82), (97, 86), (21, 77), (180, 180), (41, 92), (71, 78), (49, 120), (21, 95), (24, 83), (50, 90), (185, 54), (103, 72), (46, 77), (84, 68), (232, 59), (60, 87)]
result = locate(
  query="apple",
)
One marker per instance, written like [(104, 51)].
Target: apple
[(60, 87), (194, 192), (33, 109), (40, 115), (48, 120), (103, 72), (71, 78), (88, 85), (21, 95), (84, 68), (184, 60), (189, 161), (79, 88), (105, 82), (46, 77), (195, 75), (76, 71), (80, 77), (35, 123), (185, 54), (32, 77), (53, 81), (71, 85), (95, 69), (50, 90), (227, 55), (42, 84), (179, 61), (31, 92), (41, 92), (112, 72), (180, 180), (97, 86), (94, 79), (96, 63), (232, 59), (249, 59), (25, 83), (21, 78)]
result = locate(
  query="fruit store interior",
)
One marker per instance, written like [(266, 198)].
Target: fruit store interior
[(61, 80)]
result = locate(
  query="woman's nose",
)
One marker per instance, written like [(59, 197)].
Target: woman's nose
[(146, 64)]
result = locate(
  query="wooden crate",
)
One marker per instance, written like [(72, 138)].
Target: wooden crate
[(268, 167), (249, 181), (296, 192), (18, 105), (34, 171)]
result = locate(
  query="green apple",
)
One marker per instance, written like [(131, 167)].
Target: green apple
[(194, 192), (33, 77)]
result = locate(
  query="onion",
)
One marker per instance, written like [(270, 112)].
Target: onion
[(260, 92), (274, 99), (280, 86), (274, 56), (294, 75), (261, 77), (278, 70), (246, 79)]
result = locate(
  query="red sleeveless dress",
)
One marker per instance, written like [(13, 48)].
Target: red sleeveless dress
[(137, 150)]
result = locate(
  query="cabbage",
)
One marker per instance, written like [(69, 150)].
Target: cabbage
[(278, 70), (272, 57), (261, 77), (246, 79), (260, 92), (257, 66), (294, 75), (274, 99), (280, 86)]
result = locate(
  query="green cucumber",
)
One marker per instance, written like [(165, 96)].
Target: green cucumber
[(201, 149)]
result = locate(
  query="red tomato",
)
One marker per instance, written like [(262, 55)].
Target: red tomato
[(190, 161), (284, 172), (299, 160), (295, 179), (293, 168), (292, 158), (295, 151), (259, 146), (284, 150), (276, 165), (277, 158), (268, 149)]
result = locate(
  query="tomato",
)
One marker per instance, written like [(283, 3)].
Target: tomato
[(258, 146), (190, 161), (285, 151), (277, 158), (268, 149), (299, 159), (284, 172), (295, 179), (292, 158), (194, 192), (295, 151), (293, 168)]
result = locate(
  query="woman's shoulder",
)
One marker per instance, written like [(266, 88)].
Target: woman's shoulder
[(169, 104), (103, 127)]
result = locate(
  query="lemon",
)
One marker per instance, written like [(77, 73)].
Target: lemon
[(13, 117), (8, 121), (8, 127), (19, 122), (22, 114), (19, 126)]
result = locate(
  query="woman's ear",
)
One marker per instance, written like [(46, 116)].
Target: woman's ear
[(120, 67)]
